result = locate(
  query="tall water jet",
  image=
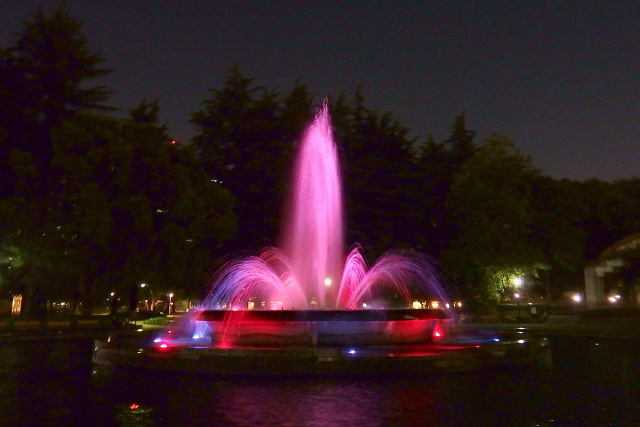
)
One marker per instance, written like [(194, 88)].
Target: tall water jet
[(314, 232)]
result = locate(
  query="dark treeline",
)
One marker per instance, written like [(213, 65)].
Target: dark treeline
[(94, 202)]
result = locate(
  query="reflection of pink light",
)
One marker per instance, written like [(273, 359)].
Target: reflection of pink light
[(163, 345)]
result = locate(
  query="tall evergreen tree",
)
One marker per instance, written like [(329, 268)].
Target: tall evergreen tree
[(379, 174), (438, 163), (43, 77), (246, 136)]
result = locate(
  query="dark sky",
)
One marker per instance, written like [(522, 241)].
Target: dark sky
[(562, 78)]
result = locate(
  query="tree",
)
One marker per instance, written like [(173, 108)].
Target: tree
[(246, 137), (438, 162), (42, 82), (379, 170), (490, 201), (559, 212)]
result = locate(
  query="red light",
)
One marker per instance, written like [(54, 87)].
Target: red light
[(164, 345), (437, 332), (134, 406)]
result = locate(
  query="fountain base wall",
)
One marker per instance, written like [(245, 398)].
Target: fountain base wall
[(321, 327)]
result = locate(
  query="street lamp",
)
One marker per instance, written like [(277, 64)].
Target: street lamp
[(114, 303), (170, 296), (517, 297), (144, 285)]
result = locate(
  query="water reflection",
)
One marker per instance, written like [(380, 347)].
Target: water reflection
[(589, 383)]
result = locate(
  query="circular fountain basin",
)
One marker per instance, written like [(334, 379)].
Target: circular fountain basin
[(286, 328), (468, 352)]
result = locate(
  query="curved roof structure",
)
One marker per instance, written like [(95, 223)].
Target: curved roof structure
[(628, 247)]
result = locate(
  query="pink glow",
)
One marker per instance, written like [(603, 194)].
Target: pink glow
[(313, 249)]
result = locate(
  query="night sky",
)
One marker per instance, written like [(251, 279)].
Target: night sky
[(562, 78)]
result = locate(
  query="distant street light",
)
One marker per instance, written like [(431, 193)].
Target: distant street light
[(144, 285), (113, 303), (517, 282), (517, 297)]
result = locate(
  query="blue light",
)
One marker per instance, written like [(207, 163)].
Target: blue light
[(352, 351)]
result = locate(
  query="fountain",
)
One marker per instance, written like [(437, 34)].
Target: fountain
[(322, 297), (308, 308)]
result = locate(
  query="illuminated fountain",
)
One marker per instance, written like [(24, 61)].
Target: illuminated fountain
[(322, 296), (308, 309)]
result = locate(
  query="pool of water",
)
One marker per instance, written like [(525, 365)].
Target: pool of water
[(589, 382)]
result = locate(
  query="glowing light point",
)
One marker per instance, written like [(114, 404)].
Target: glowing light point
[(437, 332), (328, 281)]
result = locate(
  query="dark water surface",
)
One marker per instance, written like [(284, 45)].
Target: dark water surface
[(589, 383)]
